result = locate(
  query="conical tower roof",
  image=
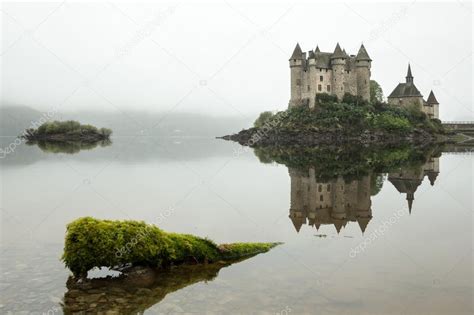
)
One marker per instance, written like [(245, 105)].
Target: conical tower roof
[(432, 99), (409, 77), (345, 54), (338, 53), (338, 224), (297, 52), (362, 54), (317, 225), (432, 177), (363, 222), (297, 222), (317, 49), (410, 198)]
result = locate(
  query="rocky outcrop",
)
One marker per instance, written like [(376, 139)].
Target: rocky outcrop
[(257, 137)]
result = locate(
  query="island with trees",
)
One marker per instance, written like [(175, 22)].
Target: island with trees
[(350, 119), (67, 131)]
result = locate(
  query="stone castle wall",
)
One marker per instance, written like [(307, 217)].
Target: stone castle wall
[(307, 83)]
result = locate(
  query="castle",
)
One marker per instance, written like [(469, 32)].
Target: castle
[(406, 94), (337, 201), (334, 202), (333, 73), (338, 73)]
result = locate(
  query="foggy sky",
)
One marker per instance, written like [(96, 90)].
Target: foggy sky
[(222, 57)]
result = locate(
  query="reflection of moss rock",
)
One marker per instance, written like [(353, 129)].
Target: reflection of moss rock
[(136, 291), (102, 243)]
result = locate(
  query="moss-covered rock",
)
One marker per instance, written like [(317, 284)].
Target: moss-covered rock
[(103, 243)]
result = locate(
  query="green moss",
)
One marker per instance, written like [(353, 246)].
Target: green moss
[(352, 116), (103, 243)]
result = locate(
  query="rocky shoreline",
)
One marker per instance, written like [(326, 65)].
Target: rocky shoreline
[(254, 137)]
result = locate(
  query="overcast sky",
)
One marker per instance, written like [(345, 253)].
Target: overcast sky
[(223, 57)]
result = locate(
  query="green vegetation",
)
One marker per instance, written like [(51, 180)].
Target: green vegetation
[(67, 130), (352, 116), (376, 93), (351, 162), (262, 119), (102, 243)]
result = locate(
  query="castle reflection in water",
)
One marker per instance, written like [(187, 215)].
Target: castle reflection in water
[(338, 201)]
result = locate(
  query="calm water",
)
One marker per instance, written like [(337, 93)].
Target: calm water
[(418, 263)]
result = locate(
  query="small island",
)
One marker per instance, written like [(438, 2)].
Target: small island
[(67, 131), (335, 101), (352, 119)]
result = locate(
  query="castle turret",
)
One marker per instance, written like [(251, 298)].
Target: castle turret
[(363, 64), (338, 62), (296, 69), (432, 102)]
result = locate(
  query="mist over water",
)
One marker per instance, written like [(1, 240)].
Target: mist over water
[(365, 229)]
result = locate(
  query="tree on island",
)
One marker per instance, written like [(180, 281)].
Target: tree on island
[(376, 93), (262, 119)]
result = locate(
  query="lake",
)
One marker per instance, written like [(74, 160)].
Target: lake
[(396, 242)]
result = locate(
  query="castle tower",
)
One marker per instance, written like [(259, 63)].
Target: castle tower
[(338, 62), (311, 78), (406, 94), (433, 103), (296, 69), (363, 64), (364, 211)]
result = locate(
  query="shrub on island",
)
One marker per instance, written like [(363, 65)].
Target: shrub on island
[(67, 130), (351, 116)]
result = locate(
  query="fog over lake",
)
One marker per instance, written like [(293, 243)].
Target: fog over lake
[(363, 227)]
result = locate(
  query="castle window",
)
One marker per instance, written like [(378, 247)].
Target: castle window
[(329, 187), (320, 78), (341, 88), (320, 70), (309, 88), (320, 188), (321, 198), (328, 88), (319, 87), (298, 81), (326, 70)]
